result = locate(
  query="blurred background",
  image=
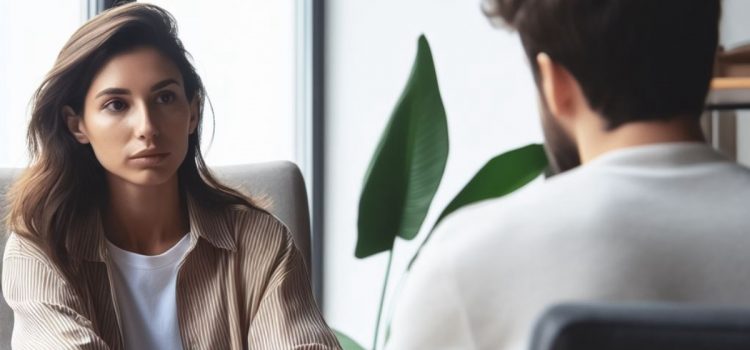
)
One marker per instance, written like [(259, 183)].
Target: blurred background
[(314, 82)]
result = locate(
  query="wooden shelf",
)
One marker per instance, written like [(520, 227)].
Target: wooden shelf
[(730, 83), (729, 94)]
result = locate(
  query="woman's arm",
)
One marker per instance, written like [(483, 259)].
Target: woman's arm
[(288, 317), (47, 311)]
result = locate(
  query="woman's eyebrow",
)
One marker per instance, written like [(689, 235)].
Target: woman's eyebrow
[(113, 91), (164, 83), (121, 91)]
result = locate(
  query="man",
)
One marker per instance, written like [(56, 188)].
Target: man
[(653, 213)]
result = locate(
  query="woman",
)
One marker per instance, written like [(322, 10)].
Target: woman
[(121, 236)]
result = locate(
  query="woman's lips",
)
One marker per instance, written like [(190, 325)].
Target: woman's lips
[(149, 160)]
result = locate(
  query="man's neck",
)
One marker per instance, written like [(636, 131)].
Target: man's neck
[(594, 140)]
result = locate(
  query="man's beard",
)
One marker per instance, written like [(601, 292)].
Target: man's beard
[(562, 151)]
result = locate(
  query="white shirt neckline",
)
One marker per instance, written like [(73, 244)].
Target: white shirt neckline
[(130, 259), (664, 154)]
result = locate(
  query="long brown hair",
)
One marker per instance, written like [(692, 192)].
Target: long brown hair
[(65, 184)]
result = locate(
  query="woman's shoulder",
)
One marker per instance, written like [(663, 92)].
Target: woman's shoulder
[(256, 227), (19, 246), (26, 259)]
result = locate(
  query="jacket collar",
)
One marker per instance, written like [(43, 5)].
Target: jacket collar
[(211, 224)]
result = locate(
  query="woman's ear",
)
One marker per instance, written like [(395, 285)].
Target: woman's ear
[(75, 125), (560, 89), (194, 114)]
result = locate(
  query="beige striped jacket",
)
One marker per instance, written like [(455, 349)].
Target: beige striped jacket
[(243, 285)]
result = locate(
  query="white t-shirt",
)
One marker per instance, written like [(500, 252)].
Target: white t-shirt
[(144, 286), (664, 222)]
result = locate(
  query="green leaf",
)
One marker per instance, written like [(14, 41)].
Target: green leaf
[(500, 176), (346, 342), (408, 164)]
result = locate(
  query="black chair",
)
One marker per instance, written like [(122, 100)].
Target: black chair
[(661, 326)]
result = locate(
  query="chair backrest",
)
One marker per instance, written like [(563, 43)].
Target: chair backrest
[(279, 184), (6, 314), (648, 326)]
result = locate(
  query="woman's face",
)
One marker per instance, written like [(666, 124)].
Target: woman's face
[(137, 118)]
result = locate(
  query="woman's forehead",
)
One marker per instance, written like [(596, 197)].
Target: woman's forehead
[(138, 70)]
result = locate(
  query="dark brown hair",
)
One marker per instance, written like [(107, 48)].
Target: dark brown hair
[(634, 59), (65, 184)]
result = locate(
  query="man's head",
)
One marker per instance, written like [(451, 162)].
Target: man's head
[(629, 60)]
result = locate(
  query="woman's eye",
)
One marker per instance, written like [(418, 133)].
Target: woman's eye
[(166, 97), (115, 106)]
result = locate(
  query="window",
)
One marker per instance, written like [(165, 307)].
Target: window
[(31, 35), (245, 53)]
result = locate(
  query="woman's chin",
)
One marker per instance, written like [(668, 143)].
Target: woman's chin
[(144, 178)]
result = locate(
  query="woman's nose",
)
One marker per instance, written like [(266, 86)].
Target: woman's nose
[(146, 129)]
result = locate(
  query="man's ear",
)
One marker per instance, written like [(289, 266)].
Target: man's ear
[(194, 114), (560, 89), (75, 124)]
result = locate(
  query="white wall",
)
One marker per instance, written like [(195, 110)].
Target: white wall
[(735, 30), (490, 101)]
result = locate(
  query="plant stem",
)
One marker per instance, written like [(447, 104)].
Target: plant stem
[(382, 299), (394, 300), (419, 250)]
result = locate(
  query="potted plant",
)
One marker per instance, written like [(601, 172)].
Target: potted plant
[(407, 167)]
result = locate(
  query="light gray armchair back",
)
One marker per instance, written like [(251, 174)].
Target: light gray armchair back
[(6, 314), (279, 183)]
